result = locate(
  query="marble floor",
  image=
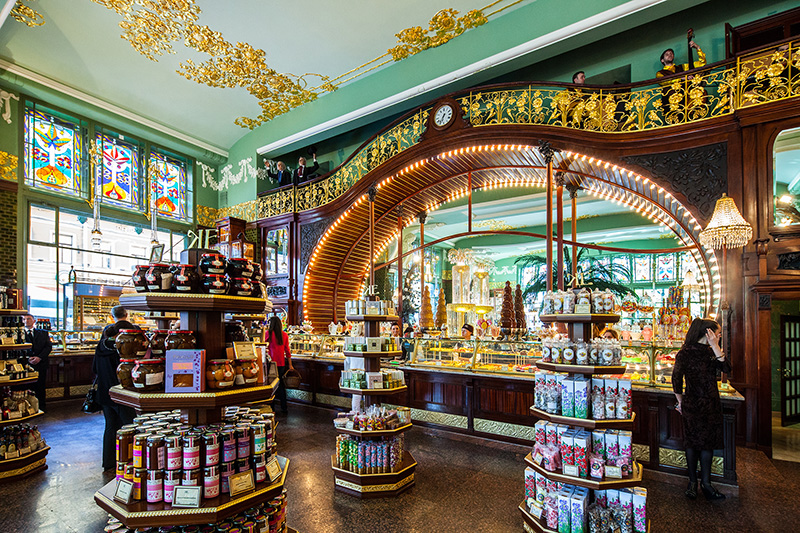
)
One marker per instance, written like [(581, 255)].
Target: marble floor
[(462, 485), (785, 440)]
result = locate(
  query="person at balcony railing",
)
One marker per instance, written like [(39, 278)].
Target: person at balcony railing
[(283, 176), (579, 78), (673, 101), (302, 172)]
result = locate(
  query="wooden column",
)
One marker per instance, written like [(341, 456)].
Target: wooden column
[(469, 204), (547, 152), (400, 266), (573, 196), (560, 227), (371, 195)]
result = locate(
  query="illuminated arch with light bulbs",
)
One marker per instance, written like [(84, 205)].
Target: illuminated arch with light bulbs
[(338, 267)]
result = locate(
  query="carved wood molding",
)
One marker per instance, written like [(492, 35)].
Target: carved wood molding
[(310, 235), (699, 174)]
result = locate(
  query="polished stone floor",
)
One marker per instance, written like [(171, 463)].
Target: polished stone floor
[(462, 485), (785, 440)]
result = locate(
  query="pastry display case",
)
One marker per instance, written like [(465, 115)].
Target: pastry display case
[(650, 363), (452, 354), (316, 346), (506, 357)]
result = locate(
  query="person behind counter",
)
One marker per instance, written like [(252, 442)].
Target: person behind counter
[(279, 352), (41, 346), (467, 331), (610, 333), (697, 363), (104, 366), (407, 344)]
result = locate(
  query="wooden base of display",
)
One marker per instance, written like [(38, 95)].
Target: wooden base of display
[(531, 524), (12, 469), (377, 433), (581, 369), (145, 515), (162, 401), (375, 318), (23, 346), (394, 353), (13, 312), (588, 423), (375, 485), (594, 318), (23, 381), (22, 420), (173, 301), (590, 483), (373, 392)]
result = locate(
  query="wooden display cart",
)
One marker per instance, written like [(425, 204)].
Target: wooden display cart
[(580, 329), (202, 314), (382, 484)]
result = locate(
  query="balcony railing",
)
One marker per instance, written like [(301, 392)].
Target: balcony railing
[(757, 78)]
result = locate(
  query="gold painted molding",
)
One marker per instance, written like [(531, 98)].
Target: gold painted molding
[(677, 458), (8, 166), (375, 488), (24, 470)]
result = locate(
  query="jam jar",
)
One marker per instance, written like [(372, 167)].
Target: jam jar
[(239, 267), (213, 264), (219, 374), (159, 278), (180, 340), (138, 278), (234, 332), (131, 343), (157, 340), (246, 371), (215, 284), (148, 375), (185, 279), (124, 373), (258, 273), (240, 287)]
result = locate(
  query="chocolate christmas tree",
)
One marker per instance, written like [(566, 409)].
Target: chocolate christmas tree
[(441, 310), (426, 313), (519, 310), (507, 311)]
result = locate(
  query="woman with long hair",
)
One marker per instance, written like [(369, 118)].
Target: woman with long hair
[(279, 352), (697, 363)]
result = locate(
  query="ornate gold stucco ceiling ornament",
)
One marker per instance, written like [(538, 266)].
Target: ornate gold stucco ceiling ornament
[(26, 14), (151, 26)]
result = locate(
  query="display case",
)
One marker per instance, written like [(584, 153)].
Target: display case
[(452, 354), (316, 346), (650, 363), (506, 357)]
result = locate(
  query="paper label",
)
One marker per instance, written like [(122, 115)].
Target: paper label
[(614, 471), (571, 470), (536, 510), (538, 458), (154, 379)]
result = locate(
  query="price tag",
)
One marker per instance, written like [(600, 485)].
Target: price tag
[(571, 470), (13, 415), (189, 496), (614, 471), (7, 341), (583, 309), (12, 455), (273, 469), (536, 510), (124, 492), (242, 482), (538, 458)]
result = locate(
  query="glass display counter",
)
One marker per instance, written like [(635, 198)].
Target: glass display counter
[(502, 357), (316, 346), (453, 354), (650, 363)]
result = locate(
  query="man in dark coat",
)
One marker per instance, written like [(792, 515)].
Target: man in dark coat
[(39, 356), (283, 176), (302, 172), (106, 360)]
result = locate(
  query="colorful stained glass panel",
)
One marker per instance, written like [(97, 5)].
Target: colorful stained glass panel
[(120, 179), (665, 267), (622, 264), (168, 191), (52, 153), (642, 268)]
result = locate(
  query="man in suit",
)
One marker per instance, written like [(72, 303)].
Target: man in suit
[(303, 173), (282, 176), (673, 102), (39, 356)]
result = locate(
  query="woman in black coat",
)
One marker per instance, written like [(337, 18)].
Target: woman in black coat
[(698, 362), (106, 360)]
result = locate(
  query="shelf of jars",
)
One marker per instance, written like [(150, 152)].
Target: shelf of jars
[(19, 420), (371, 460), (22, 448), (581, 467), (24, 465), (186, 384)]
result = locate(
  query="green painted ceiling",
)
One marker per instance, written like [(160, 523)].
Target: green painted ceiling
[(79, 47)]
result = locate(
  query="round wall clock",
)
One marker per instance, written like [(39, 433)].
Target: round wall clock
[(443, 115)]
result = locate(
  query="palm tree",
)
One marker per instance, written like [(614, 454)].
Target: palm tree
[(593, 275)]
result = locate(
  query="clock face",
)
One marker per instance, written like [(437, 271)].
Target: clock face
[(443, 115)]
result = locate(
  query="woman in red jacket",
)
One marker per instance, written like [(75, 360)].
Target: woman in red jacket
[(279, 353)]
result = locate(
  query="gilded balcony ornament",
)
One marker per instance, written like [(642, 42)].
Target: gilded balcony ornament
[(444, 26), (8, 166), (26, 14)]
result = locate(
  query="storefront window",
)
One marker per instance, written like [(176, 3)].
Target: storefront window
[(786, 178), (120, 178), (168, 177), (52, 152)]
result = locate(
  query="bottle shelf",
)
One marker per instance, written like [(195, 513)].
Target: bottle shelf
[(375, 485), (373, 392), (141, 514), (588, 423), (162, 401), (5, 423), (11, 469), (581, 369), (375, 433), (13, 312), (23, 346), (377, 355), (590, 483), (594, 318), (166, 301)]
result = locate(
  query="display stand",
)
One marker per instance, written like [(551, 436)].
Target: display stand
[(382, 484), (201, 313), (580, 329)]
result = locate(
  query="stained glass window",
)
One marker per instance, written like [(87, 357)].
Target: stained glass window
[(52, 153), (168, 185), (642, 268), (120, 179), (665, 267), (688, 263), (622, 264)]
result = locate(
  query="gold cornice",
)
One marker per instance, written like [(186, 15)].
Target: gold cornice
[(26, 14)]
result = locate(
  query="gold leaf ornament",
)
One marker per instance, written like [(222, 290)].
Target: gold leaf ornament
[(26, 15)]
